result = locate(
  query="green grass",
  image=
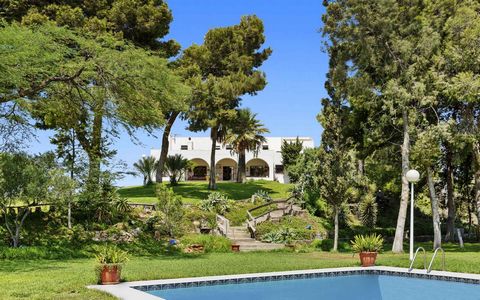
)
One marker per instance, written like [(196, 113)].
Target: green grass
[(194, 191), (52, 279)]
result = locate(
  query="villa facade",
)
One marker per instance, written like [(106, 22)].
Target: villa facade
[(266, 164)]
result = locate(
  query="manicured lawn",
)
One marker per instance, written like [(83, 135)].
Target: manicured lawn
[(46, 279), (194, 191)]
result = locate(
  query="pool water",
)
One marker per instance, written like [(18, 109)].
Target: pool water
[(367, 287)]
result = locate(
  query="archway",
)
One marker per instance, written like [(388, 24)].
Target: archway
[(199, 169), (226, 169), (258, 168)]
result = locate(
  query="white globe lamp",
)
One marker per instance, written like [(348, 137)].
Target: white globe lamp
[(413, 176)]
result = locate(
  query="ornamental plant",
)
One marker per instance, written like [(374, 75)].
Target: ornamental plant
[(367, 243), (111, 255)]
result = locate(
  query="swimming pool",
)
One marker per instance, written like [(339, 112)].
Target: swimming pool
[(376, 283), (367, 287)]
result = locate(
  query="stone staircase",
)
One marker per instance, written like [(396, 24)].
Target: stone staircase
[(240, 236)]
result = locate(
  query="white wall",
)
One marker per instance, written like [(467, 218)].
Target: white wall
[(199, 147)]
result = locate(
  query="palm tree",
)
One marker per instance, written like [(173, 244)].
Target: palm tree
[(246, 134), (176, 166), (146, 167)]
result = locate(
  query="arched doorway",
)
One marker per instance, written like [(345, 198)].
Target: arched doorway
[(199, 169), (226, 169), (257, 168)]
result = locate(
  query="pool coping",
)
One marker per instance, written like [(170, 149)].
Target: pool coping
[(137, 289)]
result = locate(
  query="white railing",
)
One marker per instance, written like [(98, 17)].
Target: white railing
[(223, 225)]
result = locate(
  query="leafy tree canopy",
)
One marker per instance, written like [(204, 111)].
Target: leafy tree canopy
[(144, 22)]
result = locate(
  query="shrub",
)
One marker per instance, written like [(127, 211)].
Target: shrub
[(170, 210), (305, 227), (42, 252), (210, 243), (327, 245), (206, 218), (367, 243), (216, 202)]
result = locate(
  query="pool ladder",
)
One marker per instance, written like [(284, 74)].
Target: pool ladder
[(425, 259)]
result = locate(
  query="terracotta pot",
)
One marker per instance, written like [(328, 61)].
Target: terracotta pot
[(110, 274), (368, 258), (235, 248)]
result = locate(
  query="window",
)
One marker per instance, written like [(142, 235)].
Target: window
[(278, 169), (264, 147), (259, 171), (228, 147), (184, 147), (199, 173), (217, 147)]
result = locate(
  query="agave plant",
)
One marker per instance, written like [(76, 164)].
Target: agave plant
[(216, 202), (282, 235), (261, 196)]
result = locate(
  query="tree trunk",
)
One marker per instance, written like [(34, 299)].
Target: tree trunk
[(335, 236), (241, 174), (72, 176), (94, 151), (19, 225), (437, 233), (361, 167), (212, 185), (402, 213), (450, 200), (476, 153), (69, 215), (165, 145)]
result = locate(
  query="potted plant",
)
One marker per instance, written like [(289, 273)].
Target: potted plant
[(110, 259), (367, 246), (235, 247)]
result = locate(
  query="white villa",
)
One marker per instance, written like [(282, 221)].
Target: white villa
[(267, 164)]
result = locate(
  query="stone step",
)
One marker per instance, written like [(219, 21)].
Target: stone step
[(242, 240), (244, 248), (238, 233)]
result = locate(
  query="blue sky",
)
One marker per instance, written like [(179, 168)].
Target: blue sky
[(295, 71)]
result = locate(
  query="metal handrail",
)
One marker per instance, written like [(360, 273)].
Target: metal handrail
[(415, 256), (433, 258)]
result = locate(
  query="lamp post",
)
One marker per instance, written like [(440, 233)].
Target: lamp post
[(412, 176)]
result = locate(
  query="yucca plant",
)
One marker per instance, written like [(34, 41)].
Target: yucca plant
[(367, 243), (368, 211)]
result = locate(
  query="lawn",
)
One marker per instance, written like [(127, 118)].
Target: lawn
[(47, 279), (194, 191)]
